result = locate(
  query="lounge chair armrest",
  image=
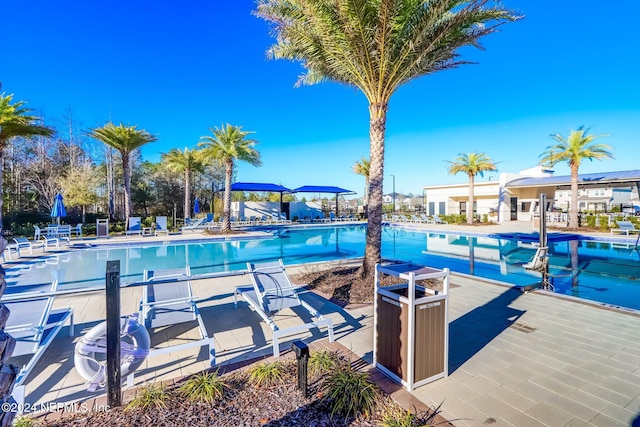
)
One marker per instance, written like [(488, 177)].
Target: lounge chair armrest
[(168, 302)]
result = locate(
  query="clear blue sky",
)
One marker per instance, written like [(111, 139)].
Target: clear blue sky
[(177, 69)]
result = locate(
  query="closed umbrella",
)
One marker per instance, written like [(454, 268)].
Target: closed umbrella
[(58, 209), (196, 206)]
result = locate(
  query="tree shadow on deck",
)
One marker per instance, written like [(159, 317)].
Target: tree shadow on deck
[(472, 331)]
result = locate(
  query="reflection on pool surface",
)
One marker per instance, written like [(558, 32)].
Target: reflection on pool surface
[(600, 271)]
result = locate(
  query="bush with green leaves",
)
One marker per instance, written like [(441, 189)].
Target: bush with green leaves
[(204, 387), (350, 392), (268, 374), (153, 396)]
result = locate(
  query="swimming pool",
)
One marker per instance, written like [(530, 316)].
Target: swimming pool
[(601, 271)]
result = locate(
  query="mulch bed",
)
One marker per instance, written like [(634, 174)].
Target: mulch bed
[(243, 405), (344, 285)]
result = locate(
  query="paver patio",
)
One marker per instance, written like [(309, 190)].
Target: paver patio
[(516, 359)]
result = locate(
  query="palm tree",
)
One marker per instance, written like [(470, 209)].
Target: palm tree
[(376, 46), (124, 139), (472, 164), (226, 146), (189, 162), (16, 122), (574, 149), (362, 167)]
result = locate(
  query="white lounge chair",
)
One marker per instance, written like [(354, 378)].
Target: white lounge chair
[(194, 225), (34, 325), (52, 242), (416, 219), (37, 233), (161, 225), (625, 227), (167, 304), (271, 292), (23, 243), (64, 232), (426, 219), (135, 226), (437, 220), (77, 230), (283, 219)]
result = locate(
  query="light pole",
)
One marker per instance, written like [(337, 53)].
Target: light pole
[(394, 193)]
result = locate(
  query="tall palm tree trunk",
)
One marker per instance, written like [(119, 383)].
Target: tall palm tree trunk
[(1, 183), (126, 172), (187, 194), (373, 250), (471, 199), (573, 212), (110, 183), (226, 220)]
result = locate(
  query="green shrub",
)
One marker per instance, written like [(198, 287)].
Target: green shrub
[(350, 392), (151, 396), (267, 374), (603, 221), (203, 387)]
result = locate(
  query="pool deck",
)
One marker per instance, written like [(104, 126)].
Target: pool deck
[(516, 359)]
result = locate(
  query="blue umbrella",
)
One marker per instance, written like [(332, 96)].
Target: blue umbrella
[(196, 206), (58, 209)]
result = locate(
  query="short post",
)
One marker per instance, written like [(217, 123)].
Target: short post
[(114, 395), (302, 355)]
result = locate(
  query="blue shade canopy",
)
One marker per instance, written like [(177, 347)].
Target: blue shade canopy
[(58, 209), (196, 206), (256, 186), (321, 189)]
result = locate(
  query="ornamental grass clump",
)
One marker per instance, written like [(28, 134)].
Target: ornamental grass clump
[(399, 417), (268, 374), (153, 396), (350, 392), (22, 421), (322, 362), (204, 387)]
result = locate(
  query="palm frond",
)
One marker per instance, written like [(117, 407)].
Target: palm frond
[(377, 45)]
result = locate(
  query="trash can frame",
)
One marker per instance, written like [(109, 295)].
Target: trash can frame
[(102, 228), (405, 326)]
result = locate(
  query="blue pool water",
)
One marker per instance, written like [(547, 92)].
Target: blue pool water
[(600, 271)]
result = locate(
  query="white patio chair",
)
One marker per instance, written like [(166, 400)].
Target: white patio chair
[(161, 225), (34, 326), (271, 292), (135, 226)]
